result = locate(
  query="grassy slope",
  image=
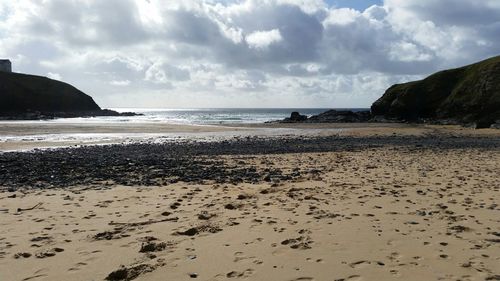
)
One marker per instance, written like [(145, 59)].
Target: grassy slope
[(470, 93)]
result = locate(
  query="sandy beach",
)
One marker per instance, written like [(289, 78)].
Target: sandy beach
[(28, 135), (399, 204)]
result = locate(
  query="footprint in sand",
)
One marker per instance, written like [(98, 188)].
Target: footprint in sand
[(77, 266), (240, 256), (35, 277), (359, 264), (37, 274), (243, 274), (351, 278)]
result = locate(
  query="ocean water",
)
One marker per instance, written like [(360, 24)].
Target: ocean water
[(206, 116), (64, 135)]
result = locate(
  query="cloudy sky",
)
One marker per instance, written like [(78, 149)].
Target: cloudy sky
[(244, 53)]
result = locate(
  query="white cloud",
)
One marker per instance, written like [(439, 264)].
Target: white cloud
[(55, 76), (343, 16), (251, 52), (408, 52), (263, 39), (121, 83)]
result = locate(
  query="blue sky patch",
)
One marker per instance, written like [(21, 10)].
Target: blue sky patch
[(360, 5)]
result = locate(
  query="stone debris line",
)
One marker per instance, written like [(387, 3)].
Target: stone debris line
[(163, 164)]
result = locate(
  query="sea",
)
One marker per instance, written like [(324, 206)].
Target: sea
[(205, 116), (60, 132)]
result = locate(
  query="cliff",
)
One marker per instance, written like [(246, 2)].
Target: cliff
[(466, 95), (25, 96)]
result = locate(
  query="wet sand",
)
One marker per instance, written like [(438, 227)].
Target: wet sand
[(28, 135), (48, 127), (421, 207)]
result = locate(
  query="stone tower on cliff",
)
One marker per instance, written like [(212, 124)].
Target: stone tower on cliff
[(5, 66)]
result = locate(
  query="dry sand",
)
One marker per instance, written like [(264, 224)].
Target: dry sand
[(390, 213)]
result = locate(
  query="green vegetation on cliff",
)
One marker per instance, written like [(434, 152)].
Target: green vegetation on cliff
[(469, 94)]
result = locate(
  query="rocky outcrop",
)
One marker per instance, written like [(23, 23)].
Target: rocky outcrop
[(25, 96), (294, 118), (330, 116), (468, 95), (340, 116)]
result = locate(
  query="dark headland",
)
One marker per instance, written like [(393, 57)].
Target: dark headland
[(468, 95), (24, 96)]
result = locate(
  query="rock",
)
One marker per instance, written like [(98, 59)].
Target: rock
[(495, 125), (295, 116), (466, 95), (330, 116), (190, 232), (230, 206), (341, 116)]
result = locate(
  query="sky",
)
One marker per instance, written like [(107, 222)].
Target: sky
[(244, 53)]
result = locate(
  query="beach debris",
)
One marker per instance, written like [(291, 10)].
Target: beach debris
[(204, 215), (45, 254), (190, 232), (22, 255), (41, 238), (301, 243), (152, 247), (202, 228), (142, 223), (38, 205), (231, 206), (129, 273), (117, 233)]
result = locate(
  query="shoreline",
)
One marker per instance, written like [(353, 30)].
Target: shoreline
[(26, 136), (188, 160)]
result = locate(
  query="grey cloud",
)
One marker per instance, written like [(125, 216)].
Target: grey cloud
[(111, 22), (191, 28), (41, 49), (301, 35), (450, 12), (113, 69), (163, 73)]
